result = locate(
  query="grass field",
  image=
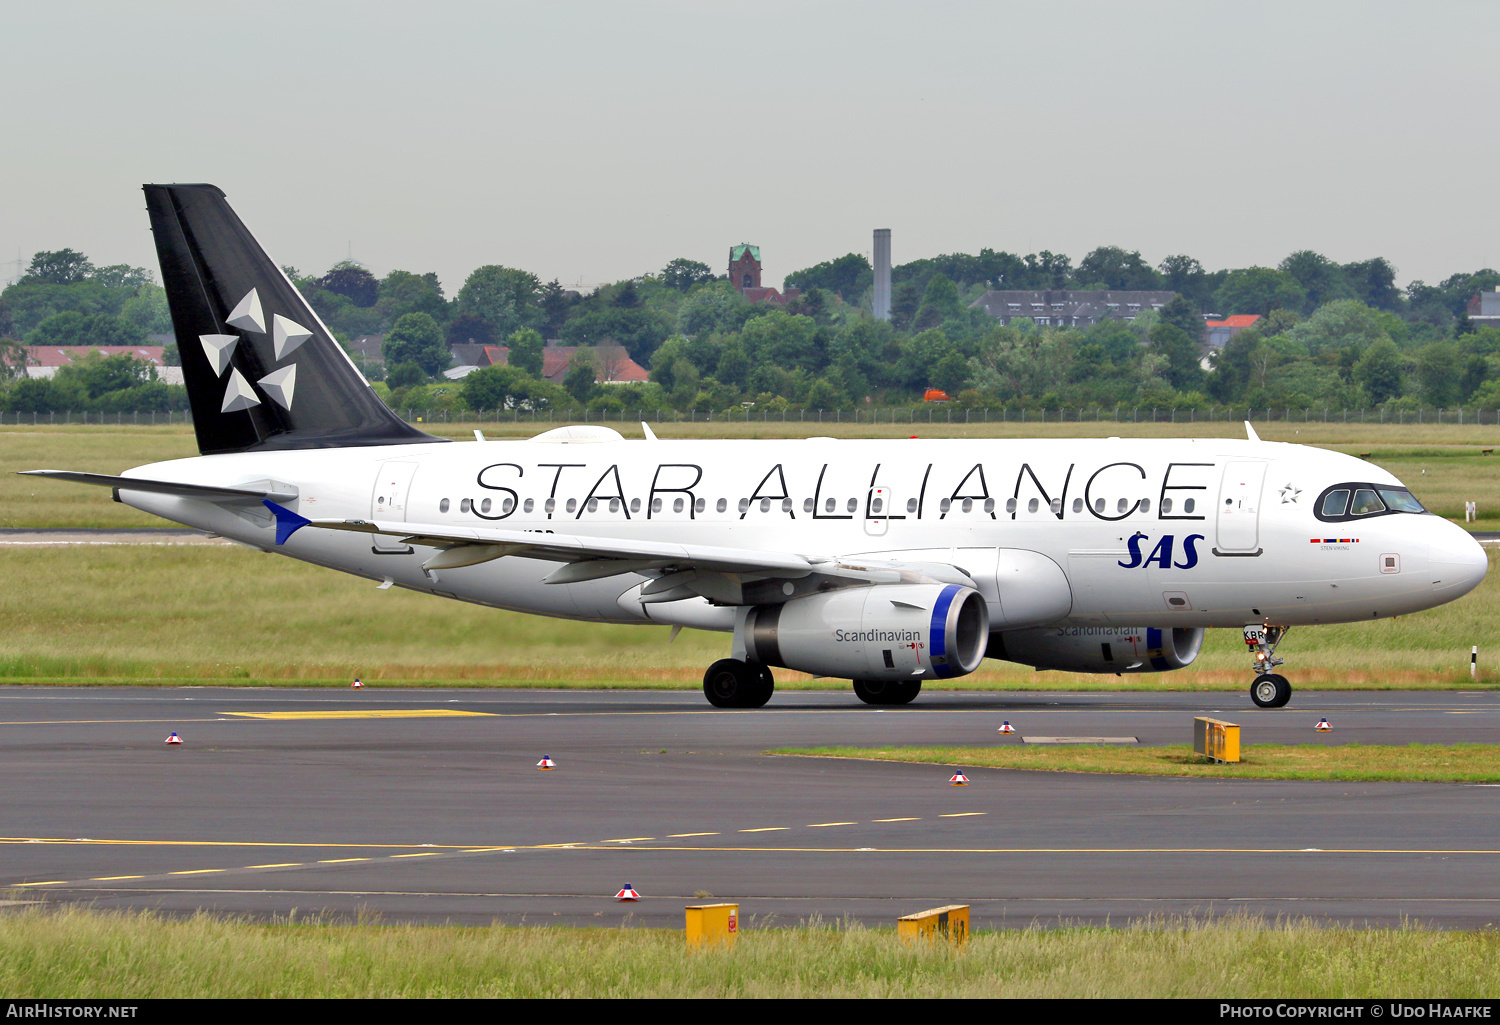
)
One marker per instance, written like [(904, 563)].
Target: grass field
[(180, 614), (1412, 763), (76, 953), (1442, 464)]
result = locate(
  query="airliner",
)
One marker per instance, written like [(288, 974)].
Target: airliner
[(884, 562)]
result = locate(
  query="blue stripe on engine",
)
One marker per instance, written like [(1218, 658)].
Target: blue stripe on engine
[(1153, 649), (937, 645)]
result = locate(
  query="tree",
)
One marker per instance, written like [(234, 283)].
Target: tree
[(580, 380), (1318, 276), (848, 277), (1115, 268), (1346, 323), (1259, 290), (71, 328), (556, 303), (683, 274), (939, 302), (148, 310), (1182, 352), (783, 339), (402, 292), (1379, 372), (96, 374), (122, 275), (1438, 373), (416, 338), (351, 281), (61, 267), (717, 307), (469, 328), (405, 375), (12, 359), (510, 388), (1185, 276), (526, 351), (503, 297), (1181, 314)]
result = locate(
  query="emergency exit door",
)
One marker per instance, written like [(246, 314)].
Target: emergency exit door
[(388, 502), (1239, 509)]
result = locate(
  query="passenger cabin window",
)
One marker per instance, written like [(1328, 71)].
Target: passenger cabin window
[(1357, 500)]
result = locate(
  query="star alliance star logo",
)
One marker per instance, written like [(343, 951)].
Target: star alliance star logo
[(1289, 494), (286, 335)]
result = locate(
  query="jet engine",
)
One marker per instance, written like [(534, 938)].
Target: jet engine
[(884, 632), (1099, 649)]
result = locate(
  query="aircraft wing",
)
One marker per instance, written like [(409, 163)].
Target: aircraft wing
[(726, 575)]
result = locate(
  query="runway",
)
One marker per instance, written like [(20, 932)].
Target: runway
[(427, 806)]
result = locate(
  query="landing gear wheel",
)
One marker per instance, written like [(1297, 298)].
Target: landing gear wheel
[(730, 683), (887, 692), (1271, 690)]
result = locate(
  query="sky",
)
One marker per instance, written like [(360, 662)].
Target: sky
[(591, 142)]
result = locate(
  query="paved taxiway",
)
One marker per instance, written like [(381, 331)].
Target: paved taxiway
[(435, 810)]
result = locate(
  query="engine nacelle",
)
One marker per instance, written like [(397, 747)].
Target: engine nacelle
[(1099, 649), (884, 632)]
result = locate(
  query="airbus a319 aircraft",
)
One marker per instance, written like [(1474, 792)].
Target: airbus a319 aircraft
[(884, 562)]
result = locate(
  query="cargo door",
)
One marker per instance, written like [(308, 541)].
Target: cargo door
[(1239, 509), (388, 502)]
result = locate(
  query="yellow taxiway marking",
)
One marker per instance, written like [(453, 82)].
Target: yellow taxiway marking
[(629, 839), (673, 836), (110, 879), (196, 871), (420, 854), (766, 829), (336, 861), (916, 819), (820, 825), (365, 713), (222, 843), (961, 814), (295, 864)]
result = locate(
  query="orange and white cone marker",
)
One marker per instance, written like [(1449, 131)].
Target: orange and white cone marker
[(174, 738), (1006, 727), (958, 779), (627, 894), (1323, 726), (356, 685), (546, 763)]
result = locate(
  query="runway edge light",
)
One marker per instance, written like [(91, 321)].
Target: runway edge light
[(627, 894), (546, 763), (356, 685), (174, 738), (1006, 727), (958, 779), (1323, 726)]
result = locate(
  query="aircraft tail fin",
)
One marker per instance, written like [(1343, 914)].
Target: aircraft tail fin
[(262, 370)]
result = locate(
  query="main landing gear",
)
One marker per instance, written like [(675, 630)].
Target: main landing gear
[(887, 692), (731, 683), (1270, 690)]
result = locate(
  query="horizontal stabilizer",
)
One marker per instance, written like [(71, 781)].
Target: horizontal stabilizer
[(207, 492)]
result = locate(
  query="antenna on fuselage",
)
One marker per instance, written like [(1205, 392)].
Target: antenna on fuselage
[(1250, 432), (650, 434)]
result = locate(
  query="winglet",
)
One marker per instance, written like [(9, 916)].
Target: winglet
[(287, 522), (650, 434), (1250, 432)]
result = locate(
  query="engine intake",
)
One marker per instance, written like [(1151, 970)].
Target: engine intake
[(1099, 649), (885, 632)]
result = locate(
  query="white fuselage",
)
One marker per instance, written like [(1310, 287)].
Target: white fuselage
[(1188, 533)]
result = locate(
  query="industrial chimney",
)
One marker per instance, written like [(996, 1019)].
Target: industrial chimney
[(882, 301)]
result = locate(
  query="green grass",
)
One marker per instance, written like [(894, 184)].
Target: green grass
[(175, 614), (82, 954), (1412, 763)]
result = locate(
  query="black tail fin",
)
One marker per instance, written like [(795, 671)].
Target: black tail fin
[(262, 371)]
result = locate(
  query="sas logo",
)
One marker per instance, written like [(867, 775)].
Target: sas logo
[(1162, 554)]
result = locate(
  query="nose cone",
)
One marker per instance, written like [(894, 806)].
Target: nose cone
[(1456, 561)]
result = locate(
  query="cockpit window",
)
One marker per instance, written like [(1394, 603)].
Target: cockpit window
[(1355, 500), (1335, 503), (1401, 501)]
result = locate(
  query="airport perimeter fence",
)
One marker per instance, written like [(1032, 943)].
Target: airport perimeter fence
[(929, 414)]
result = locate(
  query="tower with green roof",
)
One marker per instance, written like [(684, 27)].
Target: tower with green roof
[(744, 266)]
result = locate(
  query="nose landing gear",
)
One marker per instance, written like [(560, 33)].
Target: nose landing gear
[(1270, 689)]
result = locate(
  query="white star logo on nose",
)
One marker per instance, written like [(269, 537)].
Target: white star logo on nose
[(1289, 494)]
